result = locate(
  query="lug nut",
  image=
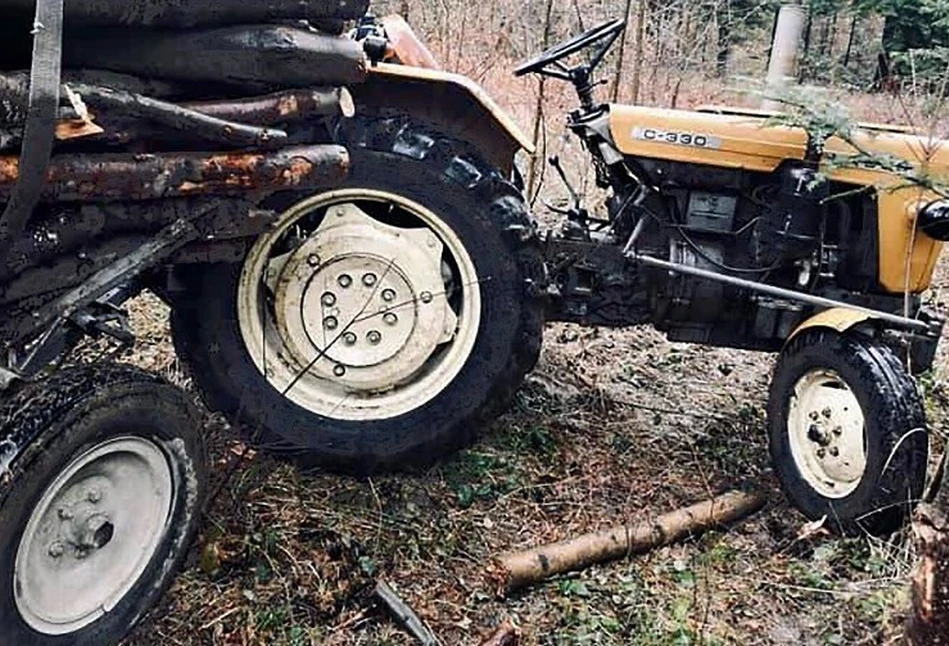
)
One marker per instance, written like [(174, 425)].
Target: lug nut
[(375, 337), (94, 496), (814, 416), (369, 280), (388, 295), (834, 451), (56, 550), (838, 431), (339, 371), (426, 297), (313, 260), (329, 299), (65, 514), (331, 323), (821, 453), (349, 338), (827, 413), (390, 318), (345, 281)]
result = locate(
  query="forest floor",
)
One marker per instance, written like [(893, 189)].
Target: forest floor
[(612, 426)]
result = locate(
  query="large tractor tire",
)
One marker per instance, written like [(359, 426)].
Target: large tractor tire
[(379, 325), (848, 432), (99, 506)]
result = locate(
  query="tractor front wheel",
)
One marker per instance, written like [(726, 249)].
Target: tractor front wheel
[(848, 432)]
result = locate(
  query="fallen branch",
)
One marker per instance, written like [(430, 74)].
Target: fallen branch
[(505, 635), (928, 624), (405, 615), (520, 569)]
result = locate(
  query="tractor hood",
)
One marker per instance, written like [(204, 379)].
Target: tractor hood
[(733, 139)]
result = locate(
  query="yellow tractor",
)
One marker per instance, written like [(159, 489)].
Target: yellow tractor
[(382, 323)]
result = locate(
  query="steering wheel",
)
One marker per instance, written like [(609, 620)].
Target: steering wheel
[(608, 30)]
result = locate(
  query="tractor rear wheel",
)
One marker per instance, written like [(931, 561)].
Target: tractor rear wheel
[(848, 432), (378, 325)]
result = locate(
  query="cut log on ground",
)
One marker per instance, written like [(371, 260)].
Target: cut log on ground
[(190, 13), (261, 56), (520, 569), (928, 625), (130, 177)]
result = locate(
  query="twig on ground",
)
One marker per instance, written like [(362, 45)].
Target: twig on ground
[(405, 615)]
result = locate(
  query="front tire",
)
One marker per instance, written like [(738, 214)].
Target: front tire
[(100, 507), (381, 324), (847, 432)]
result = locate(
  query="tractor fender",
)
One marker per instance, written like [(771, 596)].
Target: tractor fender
[(453, 104), (839, 319)]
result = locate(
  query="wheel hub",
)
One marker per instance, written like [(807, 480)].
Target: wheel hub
[(362, 303), (826, 427)]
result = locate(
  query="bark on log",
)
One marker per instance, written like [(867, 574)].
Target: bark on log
[(520, 569), (264, 56), (130, 177), (281, 107), (180, 118), (191, 13), (928, 625)]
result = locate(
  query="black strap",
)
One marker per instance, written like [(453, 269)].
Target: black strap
[(40, 122)]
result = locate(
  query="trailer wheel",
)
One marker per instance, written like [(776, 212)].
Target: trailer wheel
[(848, 432), (98, 508), (378, 325)]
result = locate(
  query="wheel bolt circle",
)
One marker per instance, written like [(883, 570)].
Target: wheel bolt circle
[(388, 295), (349, 338), (329, 299), (345, 281), (426, 297), (331, 323), (369, 280), (56, 550), (375, 337), (390, 318), (339, 370), (313, 260)]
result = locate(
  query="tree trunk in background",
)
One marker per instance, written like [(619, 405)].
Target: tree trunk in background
[(539, 154), (621, 54), (638, 50), (404, 10), (853, 31), (929, 623)]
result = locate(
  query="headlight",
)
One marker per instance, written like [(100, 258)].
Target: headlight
[(934, 220)]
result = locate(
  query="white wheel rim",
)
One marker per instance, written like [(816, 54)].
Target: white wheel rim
[(361, 319), (92, 534), (827, 433)]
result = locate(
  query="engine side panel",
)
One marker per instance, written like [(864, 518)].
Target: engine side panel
[(745, 142)]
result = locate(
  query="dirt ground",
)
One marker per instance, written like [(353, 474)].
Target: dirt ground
[(612, 426)]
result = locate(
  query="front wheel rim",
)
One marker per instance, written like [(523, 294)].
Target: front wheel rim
[(827, 432), (359, 305), (92, 534)]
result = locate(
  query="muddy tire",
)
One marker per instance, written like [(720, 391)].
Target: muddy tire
[(848, 432), (395, 316), (99, 509)]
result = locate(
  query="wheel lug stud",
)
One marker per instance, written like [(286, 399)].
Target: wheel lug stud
[(834, 451), (388, 295), (65, 514), (369, 280), (345, 281), (56, 550), (821, 453), (331, 323), (313, 260), (814, 416), (390, 319), (349, 338), (329, 299), (426, 297), (838, 431), (826, 413), (94, 496), (375, 337), (339, 371)]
